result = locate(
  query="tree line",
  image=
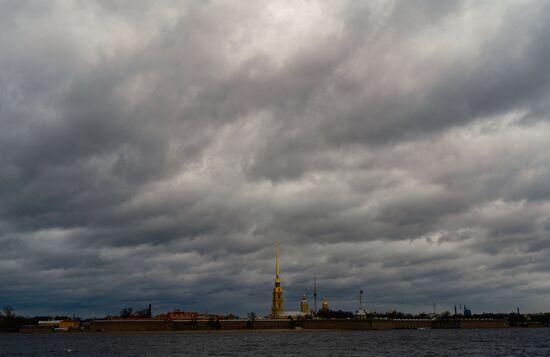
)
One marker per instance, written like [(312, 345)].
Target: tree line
[(11, 322)]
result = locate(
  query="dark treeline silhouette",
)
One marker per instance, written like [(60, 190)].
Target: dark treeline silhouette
[(543, 318), (214, 323), (330, 314), (11, 322), (350, 315), (515, 319), (251, 319), (129, 312)]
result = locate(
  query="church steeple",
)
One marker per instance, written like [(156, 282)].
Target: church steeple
[(277, 261), (277, 309)]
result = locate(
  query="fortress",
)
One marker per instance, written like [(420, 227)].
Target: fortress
[(281, 319)]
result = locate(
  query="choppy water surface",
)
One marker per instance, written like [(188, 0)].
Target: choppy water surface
[(508, 342)]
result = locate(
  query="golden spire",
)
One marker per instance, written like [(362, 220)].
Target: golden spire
[(277, 309), (277, 260)]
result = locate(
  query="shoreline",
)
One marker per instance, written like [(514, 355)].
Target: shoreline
[(254, 331)]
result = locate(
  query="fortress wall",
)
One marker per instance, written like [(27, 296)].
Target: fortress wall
[(232, 325), (370, 324), (484, 324), (216, 325), (185, 325), (273, 324), (340, 324), (412, 324), (235, 325), (470, 323), (130, 325), (36, 329), (450, 323), (200, 325)]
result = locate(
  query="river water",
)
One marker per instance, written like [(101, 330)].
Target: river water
[(490, 342)]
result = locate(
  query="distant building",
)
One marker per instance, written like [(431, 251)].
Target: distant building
[(277, 309), (293, 315), (69, 325), (325, 305), (180, 315), (361, 314), (54, 323), (187, 315), (467, 312), (304, 305)]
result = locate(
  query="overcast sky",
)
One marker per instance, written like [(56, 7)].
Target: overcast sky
[(155, 151)]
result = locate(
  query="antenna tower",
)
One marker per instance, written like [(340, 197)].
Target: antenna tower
[(314, 294)]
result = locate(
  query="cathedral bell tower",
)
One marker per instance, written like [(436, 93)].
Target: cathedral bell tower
[(304, 306), (277, 309)]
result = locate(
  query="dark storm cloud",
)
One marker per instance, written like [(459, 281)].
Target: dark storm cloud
[(154, 152)]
